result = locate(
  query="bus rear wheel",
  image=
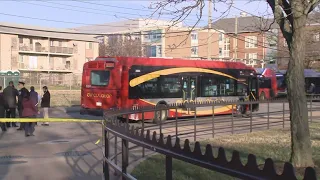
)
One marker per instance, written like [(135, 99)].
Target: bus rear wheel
[(161, 115)]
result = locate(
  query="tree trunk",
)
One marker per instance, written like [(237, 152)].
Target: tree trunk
[(301, 152)]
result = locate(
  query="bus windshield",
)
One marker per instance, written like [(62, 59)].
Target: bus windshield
[(99, 77)]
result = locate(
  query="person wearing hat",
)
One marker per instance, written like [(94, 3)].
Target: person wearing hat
[(10, 99), (22, 93)]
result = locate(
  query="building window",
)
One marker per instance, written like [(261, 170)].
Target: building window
[(20, 58), (21, 40), (220, 37), (194, 36), (251, 41), (51, 43), (251, 56), (89, 45), (226, 47), (159, 51), (194, 50), (31, 41), (220, 52), (147, 35), (316, 37), (60, 43)]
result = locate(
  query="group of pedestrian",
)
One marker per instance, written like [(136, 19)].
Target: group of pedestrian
[(26, 103)]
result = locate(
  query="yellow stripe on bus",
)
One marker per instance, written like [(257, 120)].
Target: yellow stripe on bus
[(205, 112), (141, 79)]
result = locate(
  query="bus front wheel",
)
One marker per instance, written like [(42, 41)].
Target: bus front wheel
[(161, 115)]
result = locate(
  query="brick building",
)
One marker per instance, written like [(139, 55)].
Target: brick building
[(253, 40)]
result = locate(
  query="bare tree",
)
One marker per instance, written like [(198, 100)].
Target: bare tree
[(122, 45), (291, 15), (102, 49)]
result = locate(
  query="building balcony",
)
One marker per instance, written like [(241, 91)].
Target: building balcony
[(56, 68), (31, 50), (61, 50)]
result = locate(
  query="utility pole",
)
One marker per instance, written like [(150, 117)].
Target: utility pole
[(209, 29), (236, 38)]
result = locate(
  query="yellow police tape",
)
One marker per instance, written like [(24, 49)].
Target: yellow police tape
[(46, 120)]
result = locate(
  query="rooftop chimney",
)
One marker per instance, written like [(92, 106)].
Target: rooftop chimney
[(243, 14)]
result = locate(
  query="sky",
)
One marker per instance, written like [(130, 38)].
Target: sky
[(77, 13)]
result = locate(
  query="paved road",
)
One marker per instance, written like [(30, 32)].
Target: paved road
[(67, 151), (63, 151)]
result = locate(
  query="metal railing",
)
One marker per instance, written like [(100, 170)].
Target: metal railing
[(166, 136), (62, 50)]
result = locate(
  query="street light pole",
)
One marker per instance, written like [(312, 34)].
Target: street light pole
[(209, 29)]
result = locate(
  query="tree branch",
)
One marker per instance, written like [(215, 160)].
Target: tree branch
[(284, 23), (312, 5), (287, 9)]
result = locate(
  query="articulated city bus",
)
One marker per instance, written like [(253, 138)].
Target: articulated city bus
[(267, 83), (127, 82)]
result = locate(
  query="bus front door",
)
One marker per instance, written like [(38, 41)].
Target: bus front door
[(189, 85)]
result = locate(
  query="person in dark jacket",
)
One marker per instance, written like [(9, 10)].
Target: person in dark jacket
[(10, 97), (34, 96), (28, 111), (22, 93), (2, 111), (312, 89), (45, 104)]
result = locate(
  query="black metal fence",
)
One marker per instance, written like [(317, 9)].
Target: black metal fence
[(166, 136)]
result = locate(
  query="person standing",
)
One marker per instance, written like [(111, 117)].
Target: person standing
[(10, 94), (45, 104), (22, 93), (35, 98), (29, 111), (2, 111)]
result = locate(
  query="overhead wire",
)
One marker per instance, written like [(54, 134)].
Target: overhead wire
[(83, 33), (108, 34), (124, 26)]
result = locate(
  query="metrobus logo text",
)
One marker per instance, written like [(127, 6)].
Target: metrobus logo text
[(201, 101), (98, 95)]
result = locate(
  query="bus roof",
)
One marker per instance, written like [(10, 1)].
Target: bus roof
[(267, 72), (129, 61)]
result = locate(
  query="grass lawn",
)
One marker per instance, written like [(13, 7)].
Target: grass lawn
[(264, 144)]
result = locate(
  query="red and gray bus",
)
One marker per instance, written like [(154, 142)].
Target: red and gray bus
[(127, 82), (268, 87)]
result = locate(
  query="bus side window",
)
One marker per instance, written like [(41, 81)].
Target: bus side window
[(209, 86), (170, 87)]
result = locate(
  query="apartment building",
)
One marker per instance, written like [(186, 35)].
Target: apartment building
[(159, 38), (249, 39), (35, 49)]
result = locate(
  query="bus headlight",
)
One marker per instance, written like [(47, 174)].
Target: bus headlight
[(98, 104)]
